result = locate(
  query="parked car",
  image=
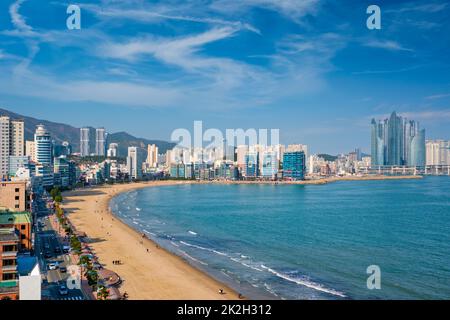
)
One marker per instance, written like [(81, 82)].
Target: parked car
[(63, 290), (52, 266), (66, 249), (63, 269), (47, 254)]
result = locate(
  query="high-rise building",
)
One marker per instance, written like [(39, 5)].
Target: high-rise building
[(17, 145), (241, 152), (437, 152), (134, 169), (294, 165), (84, 142), (417, 156), (4, 145), (299, 147), (112, 150), (43, 144), (44, 155), (152, 155), (11, 142), (251, 165), (269, 165), (100, 141), (397, 142), (30, 150), (169, 158), (61, 168)]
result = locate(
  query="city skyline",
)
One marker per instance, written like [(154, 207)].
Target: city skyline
[(320, 65)]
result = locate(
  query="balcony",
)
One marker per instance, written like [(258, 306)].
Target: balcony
[(8, 269), (9, 254)]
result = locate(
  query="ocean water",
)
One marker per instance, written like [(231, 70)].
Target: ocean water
[(305, 242)]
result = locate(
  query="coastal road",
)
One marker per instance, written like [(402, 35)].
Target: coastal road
[(49, 249)]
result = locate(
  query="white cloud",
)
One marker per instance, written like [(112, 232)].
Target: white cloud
[(155, 14), (425, 8), (293, 9), (438, 96), (386, 44), (19, 22), (40, 85)]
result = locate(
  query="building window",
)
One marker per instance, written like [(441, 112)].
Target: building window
[(22, 227), (17, 206), (9, 276), (17, 190), (17, 197), (22, 236)]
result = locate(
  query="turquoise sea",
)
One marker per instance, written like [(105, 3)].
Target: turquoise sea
[(305, 242)]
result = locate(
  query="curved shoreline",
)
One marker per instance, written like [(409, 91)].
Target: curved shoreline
[(158, 274)]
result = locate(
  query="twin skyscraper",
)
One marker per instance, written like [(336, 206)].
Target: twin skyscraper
[(100, 142)]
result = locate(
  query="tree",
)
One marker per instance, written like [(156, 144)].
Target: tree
[(102, 293), (85, 261), (55, 192), (92, 277), (75, 244), (58, 198)]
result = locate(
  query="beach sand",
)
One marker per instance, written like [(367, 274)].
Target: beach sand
[(157, 274)]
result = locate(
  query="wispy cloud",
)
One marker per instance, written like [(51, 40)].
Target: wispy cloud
[(386, 44), (153, 16), (17, 20), (438, 96), (293, 9), (387, 71), (420, 7)]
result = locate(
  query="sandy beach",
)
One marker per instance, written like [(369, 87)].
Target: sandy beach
[(157, 274)]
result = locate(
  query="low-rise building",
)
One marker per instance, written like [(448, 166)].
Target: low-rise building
[(21, 222), (13, 195), (9, 246)]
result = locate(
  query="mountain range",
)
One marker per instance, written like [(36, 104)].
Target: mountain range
[(63, 132)]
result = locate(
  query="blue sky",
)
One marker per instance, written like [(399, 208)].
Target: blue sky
[(310, 68)]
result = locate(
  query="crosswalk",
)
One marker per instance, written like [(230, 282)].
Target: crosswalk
[(72, 298)]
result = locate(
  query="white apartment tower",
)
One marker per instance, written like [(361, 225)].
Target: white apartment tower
[(84, 142), (133, 167), (112, 150), (11, 141), (30, 150), (100, 141), (152, 155), (437, 152)]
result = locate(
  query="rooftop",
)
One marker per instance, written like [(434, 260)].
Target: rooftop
[(9, 217)]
